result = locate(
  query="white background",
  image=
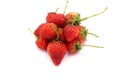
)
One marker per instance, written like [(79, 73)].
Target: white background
[(20, 59)]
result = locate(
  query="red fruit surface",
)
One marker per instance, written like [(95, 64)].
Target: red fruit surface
[(60, 33), (73, 46), (42, 43), (48, 31), (70, 32), (56, 51), (37, 31), (73, 18), (80, 38), (57, 18), (82, 34)]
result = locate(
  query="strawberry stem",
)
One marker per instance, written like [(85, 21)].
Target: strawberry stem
[(93, 34), (65, 7), (57, 36), (32, 32), (94, 46), (56, 10), (82, 19)]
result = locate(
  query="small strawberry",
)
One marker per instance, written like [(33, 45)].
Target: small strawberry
[(60, 33), (73, 46), (70, 32), (57, 18), (42, 43), (73, 18), (80, 38), (37, 31), (82, 34), (48, 31), (56, 51)]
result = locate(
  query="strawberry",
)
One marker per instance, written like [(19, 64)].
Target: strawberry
[(82, 34), (70, 32), (80, 38), (60, 33), (56, 51), (37, 31), (73, 46), (57, 18), (42, 43), (48, 31), (73, 18)]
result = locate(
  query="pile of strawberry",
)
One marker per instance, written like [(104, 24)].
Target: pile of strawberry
[(61, 33)]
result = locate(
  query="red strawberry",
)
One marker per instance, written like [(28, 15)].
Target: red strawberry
[(82, 34), (73, 46), (70, 32), (56, 51), (41, 43), (57, 18), (37, 31), (60, 33), (80, 38), (73, 18), (48, 31)]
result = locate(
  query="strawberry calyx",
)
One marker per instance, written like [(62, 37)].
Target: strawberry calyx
[(76, 19), (84, 33), (77, 46)]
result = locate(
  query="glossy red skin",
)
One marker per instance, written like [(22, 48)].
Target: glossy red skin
[(81, 40), (69, 18), (56, 51), (70, 15), (57, 18), (70, 32), (37, 31), (70, 46), (60, 33), (80, 37), (42, 43), (48, 31)]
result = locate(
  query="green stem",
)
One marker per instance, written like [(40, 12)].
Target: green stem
[(57, 36), (56, 10), (93, 34), (94, 46), (65, 7), (82, 19), (32, 32)]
